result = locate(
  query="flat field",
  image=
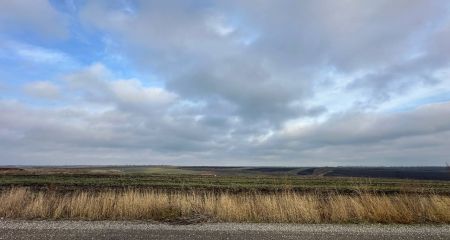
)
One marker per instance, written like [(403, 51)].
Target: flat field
[(225, 194), (208, 179)]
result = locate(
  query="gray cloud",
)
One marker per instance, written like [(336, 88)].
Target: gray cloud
[(414, 71), (365, 128), (404, 138), (37, 16), (290, 43), (350, 139), (220, 67), (106, 114), (244, 83)]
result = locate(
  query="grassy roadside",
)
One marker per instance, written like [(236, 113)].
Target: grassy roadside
[(225, 198), (286, 207)]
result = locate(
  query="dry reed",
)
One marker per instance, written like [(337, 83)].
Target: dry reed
[(288, 207)]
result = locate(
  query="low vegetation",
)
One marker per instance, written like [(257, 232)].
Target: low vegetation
[(216, 183), (227, 194), (288, 207)]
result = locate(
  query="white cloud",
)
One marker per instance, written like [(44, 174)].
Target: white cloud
[(42, 55), (218, 24), (43, 89), (97, 84), (36, 54), (132, 91)]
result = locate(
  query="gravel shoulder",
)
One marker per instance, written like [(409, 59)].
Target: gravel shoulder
[(17, 229)]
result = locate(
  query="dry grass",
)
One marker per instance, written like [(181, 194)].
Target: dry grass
[(290, 207)]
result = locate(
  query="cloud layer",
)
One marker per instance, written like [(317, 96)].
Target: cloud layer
[(226, 82)]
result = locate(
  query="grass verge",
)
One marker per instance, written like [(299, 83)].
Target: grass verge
[(286, 207)]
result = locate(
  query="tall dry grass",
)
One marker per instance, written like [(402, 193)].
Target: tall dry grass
[(286, 207)]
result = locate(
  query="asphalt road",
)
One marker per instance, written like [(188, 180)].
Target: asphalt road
[(69, 230)]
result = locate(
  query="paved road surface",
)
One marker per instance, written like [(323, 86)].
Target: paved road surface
[(68, 230)]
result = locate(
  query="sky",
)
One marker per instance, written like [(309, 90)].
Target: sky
[(233, 83)]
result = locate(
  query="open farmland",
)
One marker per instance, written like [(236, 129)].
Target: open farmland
[(225, 194), (207, 179)]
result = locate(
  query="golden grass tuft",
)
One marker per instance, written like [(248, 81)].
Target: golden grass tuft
[(287, 207)]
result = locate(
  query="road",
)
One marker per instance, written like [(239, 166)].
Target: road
[(69, 230)]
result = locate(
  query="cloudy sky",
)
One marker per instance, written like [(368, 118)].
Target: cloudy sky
[(196, 82)]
